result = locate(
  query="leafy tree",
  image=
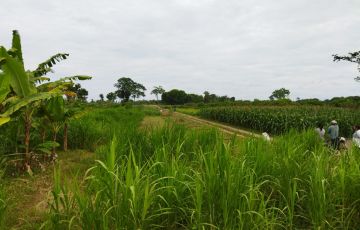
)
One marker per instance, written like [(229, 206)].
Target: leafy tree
[(158, 90), (280, 94), (111, 96), (77, 93), (175, 97), (138, 91), (194, 98), (101, 97), (209, 98), (352, 57), (206, 97), (126, 88)]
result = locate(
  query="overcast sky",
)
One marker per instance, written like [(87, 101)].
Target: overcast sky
[(241, 48)]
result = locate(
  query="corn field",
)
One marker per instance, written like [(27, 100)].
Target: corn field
[(279, 120)]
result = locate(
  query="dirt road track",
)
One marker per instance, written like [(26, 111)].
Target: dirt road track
[(223, 128)]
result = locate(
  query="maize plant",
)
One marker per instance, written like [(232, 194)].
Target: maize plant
[(279, 120)]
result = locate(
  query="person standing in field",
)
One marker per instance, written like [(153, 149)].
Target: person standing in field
[(320, 131), (333, 132), (356, 136)]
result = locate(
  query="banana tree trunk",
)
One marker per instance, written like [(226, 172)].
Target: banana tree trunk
[(43, 135), (54, 139), (27, 136), (65, 136)]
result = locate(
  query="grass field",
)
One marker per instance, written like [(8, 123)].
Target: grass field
[(148, 172)]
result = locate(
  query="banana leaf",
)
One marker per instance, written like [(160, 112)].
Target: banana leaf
[(28, 100), (19, 80), (4, 86)]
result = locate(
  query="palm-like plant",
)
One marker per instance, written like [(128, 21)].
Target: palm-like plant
[(158, 90), (22, 90)]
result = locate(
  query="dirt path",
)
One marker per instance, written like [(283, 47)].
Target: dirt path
[(224, 128), (29, 197)]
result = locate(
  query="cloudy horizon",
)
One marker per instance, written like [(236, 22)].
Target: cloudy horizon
[(234, 48)]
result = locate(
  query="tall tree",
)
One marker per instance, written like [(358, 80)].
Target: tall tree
[(158, 90), (111, 96), (78, 92), (352, 57), (126, 88), (139, 90), (279, 94), (206, 97), (175, 97), (101, 97)]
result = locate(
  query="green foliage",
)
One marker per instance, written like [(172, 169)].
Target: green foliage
[(158, 90), (55, 109), (16, 50), (175, 97), (19, 80), (279, 120), (96, 127), (111, 96), (79, 92), (352, 57), (4, 86), (280, 94), (45, 67), (127, 88), (3, 203), (176, 178)]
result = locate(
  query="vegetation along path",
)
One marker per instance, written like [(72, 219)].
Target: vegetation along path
[(29, 197)]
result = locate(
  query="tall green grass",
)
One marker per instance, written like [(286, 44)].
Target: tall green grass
[(3, 203), (99, 125), (175, 178)]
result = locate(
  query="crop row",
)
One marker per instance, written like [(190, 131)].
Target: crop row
[(279, 120)]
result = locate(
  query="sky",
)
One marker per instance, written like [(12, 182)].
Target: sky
[(240, 48)]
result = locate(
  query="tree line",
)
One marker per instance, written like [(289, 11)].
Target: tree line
[(127, 89)]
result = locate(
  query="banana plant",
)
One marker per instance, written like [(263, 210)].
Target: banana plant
[(70, 114), (18, 89), (55, 115)]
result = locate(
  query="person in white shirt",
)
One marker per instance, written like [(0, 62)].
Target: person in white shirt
[(356, 136), (320, 131)]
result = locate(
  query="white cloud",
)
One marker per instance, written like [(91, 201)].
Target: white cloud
[(243, 48)]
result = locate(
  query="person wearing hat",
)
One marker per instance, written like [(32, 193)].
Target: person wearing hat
[(333, 132)]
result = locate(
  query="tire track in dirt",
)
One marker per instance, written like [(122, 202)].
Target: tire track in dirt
[(224, 128)]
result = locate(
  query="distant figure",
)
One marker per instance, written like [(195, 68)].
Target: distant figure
[(356, 136), (266, 136), (333, 132), (320, 131)]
